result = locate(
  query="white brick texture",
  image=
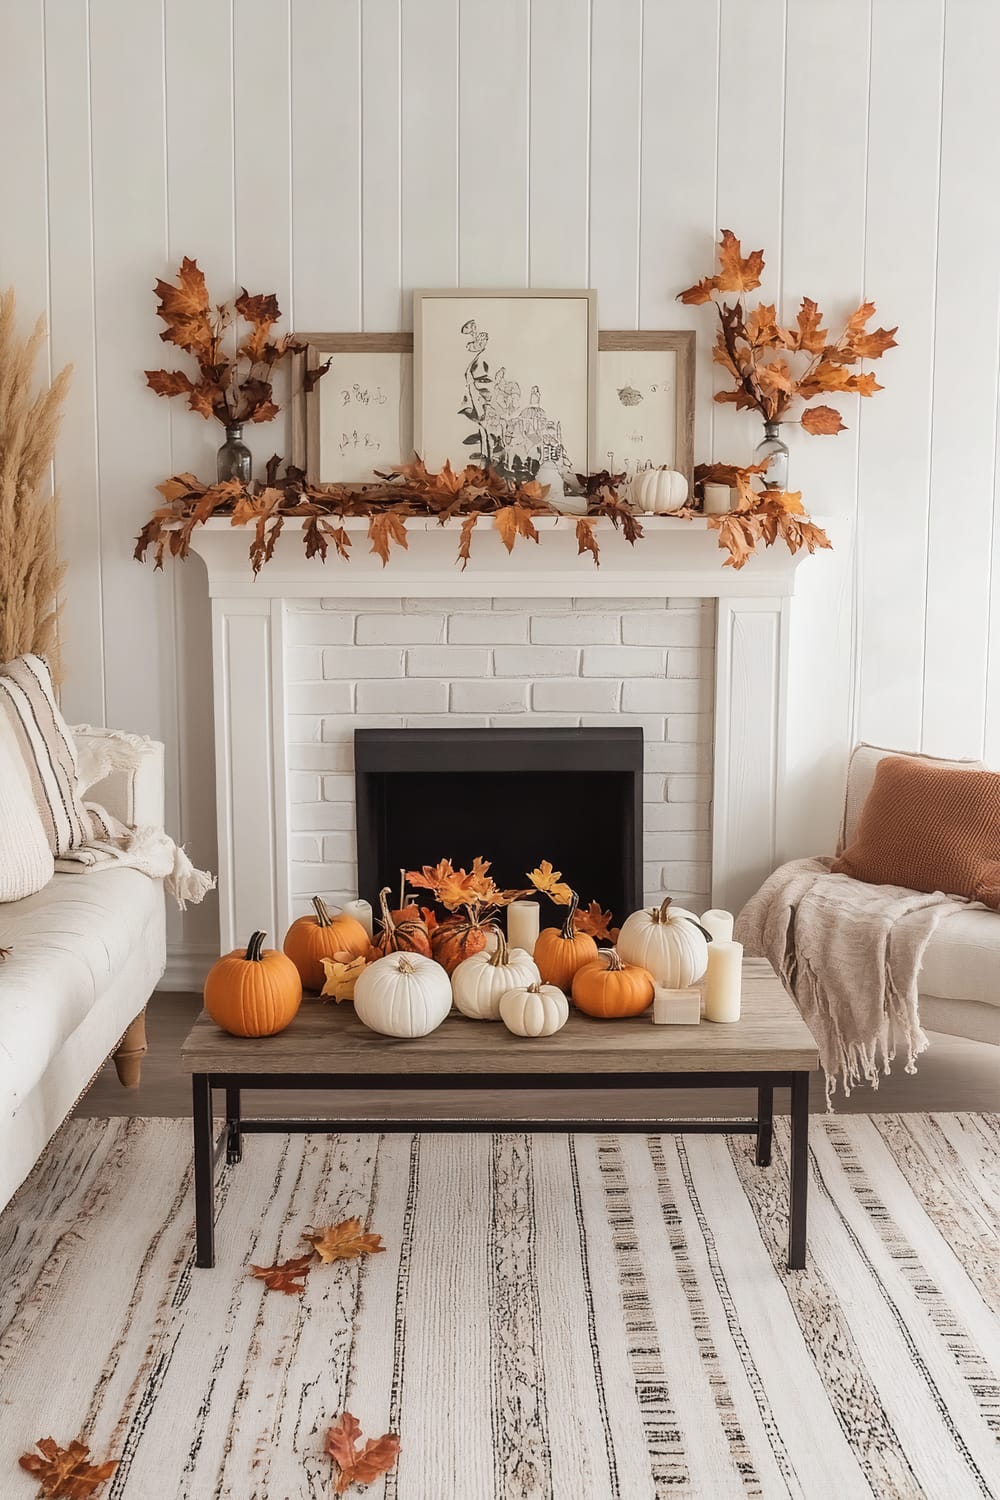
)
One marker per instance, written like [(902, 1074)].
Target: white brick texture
[(502, 663)]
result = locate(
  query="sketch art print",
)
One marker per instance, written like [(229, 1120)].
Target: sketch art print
[(504, 383), (364, 416)]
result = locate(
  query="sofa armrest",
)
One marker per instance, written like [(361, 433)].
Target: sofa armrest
[(123, 773)]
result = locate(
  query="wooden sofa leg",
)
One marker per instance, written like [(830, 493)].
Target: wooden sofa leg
[(131, 1051)]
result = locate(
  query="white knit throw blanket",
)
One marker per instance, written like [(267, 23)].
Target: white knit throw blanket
[(149, 850), (850, 954)]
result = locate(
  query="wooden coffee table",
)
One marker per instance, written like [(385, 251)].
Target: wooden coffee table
[(327, 1047)]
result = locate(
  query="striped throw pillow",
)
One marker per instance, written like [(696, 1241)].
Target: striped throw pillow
[(46, 746)]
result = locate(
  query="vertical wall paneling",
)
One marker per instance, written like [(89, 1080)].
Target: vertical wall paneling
[(749, 192), (963, 434), (558, 190), (23, 226), (827, 57), (71, 320), (129, 204), (677, 190), (382, 296), (429, 144), (326, 164), (895, 430), (493, 142), (615, 144)]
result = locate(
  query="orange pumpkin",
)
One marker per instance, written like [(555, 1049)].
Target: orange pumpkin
[(458, 938), (559, 952), (402, 931), (610, 989), (255, 993), (311, 939)]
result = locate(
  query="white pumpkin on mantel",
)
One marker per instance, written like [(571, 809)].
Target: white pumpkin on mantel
[(534, 1010), (479, 982), (657, 492), (403, 994), (668, 942)]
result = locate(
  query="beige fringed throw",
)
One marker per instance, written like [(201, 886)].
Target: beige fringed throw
[(850, 954)]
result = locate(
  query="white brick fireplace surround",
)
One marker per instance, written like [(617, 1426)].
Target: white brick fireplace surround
[(660, 636)]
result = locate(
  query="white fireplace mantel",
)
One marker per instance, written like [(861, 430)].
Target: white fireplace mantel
[(675, 559)]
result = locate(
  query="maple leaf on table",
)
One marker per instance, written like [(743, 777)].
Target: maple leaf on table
[(358, 1465), (550, 883), (66, 1473), (286, 1275), (343, 1241), (342, 971)]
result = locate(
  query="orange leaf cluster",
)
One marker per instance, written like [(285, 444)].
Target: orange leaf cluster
[(234, 380), (761, 517), (66, 1473), (358, 1464), (773, 366), (473, 890), (343, 1241), (591, 920)]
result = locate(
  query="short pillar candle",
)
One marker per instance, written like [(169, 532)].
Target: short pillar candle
[(522, 925), (719, 923), (361, 911), (718, 500), (723, 981)]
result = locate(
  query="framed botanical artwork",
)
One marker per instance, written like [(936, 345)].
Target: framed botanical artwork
[(645, 401), (358, 419), (505, 378)]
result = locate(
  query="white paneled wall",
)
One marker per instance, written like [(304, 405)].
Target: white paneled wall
[(341, 152)]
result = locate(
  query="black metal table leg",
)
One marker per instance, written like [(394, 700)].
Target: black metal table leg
[(204, 1170), (234, 1135), (765, 1124), (799, 1174)]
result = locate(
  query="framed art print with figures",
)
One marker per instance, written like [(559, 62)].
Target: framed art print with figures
[(506, 379), (358, 420)]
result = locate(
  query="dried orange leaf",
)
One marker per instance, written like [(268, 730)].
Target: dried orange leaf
[(595, 923), (822, 419), (550, 883), (342, 973), (358, 1465), (285, 1276), (66, 1473), (343, 1241)]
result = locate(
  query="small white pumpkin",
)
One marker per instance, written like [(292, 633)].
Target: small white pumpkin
[(534, 1010), (403, 994), (656, 492), (667, 941), (478, 982)]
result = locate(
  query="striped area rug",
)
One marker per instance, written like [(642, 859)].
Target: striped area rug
[(574, 1317)]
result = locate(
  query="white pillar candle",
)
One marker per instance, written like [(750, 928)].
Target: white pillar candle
[(723, 981), (719, 923), (718, 499), (361, 911), (523, 920)]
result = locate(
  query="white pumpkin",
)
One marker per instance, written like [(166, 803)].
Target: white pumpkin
[(667, 941), (478, 982), (534, 1010), (656, 492), (403, 994)]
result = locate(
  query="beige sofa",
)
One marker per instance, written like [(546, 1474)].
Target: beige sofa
[(960, 978), (86, 952)]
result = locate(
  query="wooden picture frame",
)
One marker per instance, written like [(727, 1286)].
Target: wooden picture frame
[(310, 410), (659, 354), (545, 407)]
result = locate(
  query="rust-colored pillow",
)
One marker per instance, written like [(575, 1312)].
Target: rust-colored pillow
[(930, 828)]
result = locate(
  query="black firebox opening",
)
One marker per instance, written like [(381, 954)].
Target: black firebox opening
[(514, 796)]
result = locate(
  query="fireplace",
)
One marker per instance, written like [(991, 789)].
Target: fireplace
[(514, 796)]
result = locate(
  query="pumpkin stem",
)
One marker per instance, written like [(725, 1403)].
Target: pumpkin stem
[(255, 948), (387, 922), (614, 960), (535, 988), (660, 914), (500, 954), (569, 931), (404, 966), (323, 918)]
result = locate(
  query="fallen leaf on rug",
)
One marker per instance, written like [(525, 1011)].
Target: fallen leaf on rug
[(284, 1276), (66, 1473), (343, 1241), (5, 953), (358, 1465)]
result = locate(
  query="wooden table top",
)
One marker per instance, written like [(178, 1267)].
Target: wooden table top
[(328, 1038)]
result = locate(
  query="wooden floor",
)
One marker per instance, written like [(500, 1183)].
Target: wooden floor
[(953, 1075)]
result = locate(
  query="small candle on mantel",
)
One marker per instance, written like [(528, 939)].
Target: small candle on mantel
[(723, 982), (523, 921), (719, 923), (717, 499), (361, 911)]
